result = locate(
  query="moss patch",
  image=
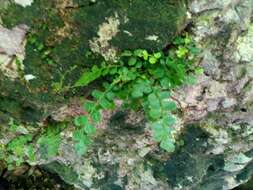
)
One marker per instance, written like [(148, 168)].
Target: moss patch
[(60, 38)]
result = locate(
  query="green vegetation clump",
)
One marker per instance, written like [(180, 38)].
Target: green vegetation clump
[(142, 80), (26, 146)]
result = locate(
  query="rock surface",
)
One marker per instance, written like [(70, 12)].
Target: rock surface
[(217, 121), (24, 3), (62, 34)]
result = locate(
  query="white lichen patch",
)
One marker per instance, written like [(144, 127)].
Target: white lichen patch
[(106, 32), (245, 46), (128, 33), (152, 38), (236, 163), (12, 50), (24, 3), (216, 90), (87, 172), (29, 77)]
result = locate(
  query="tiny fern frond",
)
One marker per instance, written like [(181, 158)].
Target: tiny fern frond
[(142, 80)]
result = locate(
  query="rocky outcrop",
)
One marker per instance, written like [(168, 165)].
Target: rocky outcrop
[(62, 35), (215, 149)]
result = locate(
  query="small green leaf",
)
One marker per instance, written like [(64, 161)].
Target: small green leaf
[(138, 65), (145, 55), (89, 106), (126, 53), (138, 52), (169, 105), (136, 93), (158, 72), (140, 87), (82, 142), (155, 113), (164, 95), (181, 52), (89, 76), (158, 132), (78, 135), (80, 148), (106, 104), (194, 50), (187, 40), (81, 121), (154, 102), (152, 60), (178, 40), (168, 145), (165, 83), (40, 46), (113, 70), (31, 153), (132, 61), (97, 94), (169, 121), (90, 129), (158, 55), (199, 71), (96, 116), (110, 96)]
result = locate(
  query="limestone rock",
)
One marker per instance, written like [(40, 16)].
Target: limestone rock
[(216, 147)]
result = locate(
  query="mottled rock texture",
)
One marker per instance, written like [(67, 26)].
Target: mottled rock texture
[(216, 147), (59, 40)]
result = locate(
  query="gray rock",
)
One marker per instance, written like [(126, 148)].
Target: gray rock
[(24, 3), (217, 122), (11, 41), (12, 47)]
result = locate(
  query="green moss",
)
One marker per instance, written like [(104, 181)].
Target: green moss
[(138, 21), (48, 57), (58, 59), (146, 18), (40, 12)]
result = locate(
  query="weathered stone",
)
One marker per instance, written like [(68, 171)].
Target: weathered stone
[(12, 49), (217, 122), (245, 45), (50, 66), (24, 3)]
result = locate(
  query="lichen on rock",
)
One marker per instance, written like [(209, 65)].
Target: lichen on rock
[(24, 3), (12, 50), (215, 136), (106, 32)]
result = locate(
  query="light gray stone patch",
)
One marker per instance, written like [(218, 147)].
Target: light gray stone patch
[(211, 64), (106, 32), (11, 41), (245, 46), (24, 3), (12, 50), (152, 38), (198, 6)]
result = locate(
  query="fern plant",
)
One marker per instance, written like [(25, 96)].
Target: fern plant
[(144, 81), (26, 145)]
